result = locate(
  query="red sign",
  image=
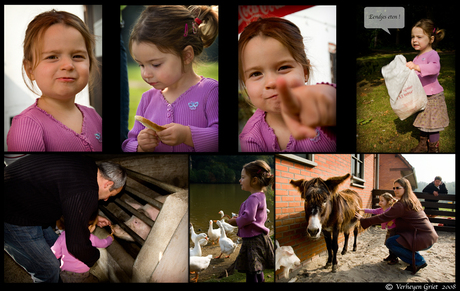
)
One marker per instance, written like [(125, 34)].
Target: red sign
[(249, 13)]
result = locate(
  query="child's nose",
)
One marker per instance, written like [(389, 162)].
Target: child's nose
[(67, 64), (146, 73), (270, 81)]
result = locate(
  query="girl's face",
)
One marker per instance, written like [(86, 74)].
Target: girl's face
[(63, 68), (398, 190), (160, 70), (246, 182), (420, 41), (265, 59), (383, 203)]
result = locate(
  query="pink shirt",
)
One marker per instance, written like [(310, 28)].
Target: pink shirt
[(389, 224), (252, 216), (69, 262), (197, 108), (258, 136), (35, 130), (430, 66)]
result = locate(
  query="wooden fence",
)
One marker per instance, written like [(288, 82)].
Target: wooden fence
[(443, 209)]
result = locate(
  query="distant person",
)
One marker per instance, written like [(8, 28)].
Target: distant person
[(435, 188)]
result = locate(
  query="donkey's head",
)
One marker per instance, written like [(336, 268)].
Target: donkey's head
[(317, 194)]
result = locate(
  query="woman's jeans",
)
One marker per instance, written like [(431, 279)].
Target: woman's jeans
[(30, 247), (403, 253)]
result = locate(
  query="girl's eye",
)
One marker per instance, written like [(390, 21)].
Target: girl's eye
[(51, 58), (255, 74), (283, 68), (79, 56), (156, 66)]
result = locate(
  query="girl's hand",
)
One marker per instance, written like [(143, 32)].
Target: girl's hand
[(413, 66), (358, 216), (175, 134), (232, 221), (102, 221), (147, 140), (306, 107)]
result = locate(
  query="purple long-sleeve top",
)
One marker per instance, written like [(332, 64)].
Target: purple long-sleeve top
[(34, 130), (68, 261), (389, 224), (258, 136), (252, 216), (197, 108), (430, 66)]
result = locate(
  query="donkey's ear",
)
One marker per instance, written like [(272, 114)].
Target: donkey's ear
[(334, 182), (297, 183)]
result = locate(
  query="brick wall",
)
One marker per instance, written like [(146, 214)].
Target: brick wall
[(390, 170), (290, 227)]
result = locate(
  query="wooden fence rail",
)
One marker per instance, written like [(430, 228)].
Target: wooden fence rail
[(443, 209)]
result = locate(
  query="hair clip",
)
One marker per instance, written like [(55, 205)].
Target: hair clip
[(186, 30), (434, 29), (195, 11)]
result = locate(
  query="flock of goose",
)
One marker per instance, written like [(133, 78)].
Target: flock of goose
[(199, 263)]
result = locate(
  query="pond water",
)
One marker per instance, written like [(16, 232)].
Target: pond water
[(206, 200)]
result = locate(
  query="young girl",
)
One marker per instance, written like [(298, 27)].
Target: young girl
[(256, 253), (273, 69), (164, 42), (73, 270), (59, 57), (386, 200), (426, 64)]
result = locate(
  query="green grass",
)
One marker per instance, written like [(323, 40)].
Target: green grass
[(378, 127), (238, 277), (137, 86)]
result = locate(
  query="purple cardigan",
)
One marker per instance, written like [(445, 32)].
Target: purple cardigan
[(258, 136), (430, 66), (35, 130), (196, 108), (252, 216)]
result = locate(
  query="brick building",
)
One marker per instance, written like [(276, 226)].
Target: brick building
[(290, 228)]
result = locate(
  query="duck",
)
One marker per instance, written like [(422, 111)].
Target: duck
[(196, 251), (213, 234), (202, 242), (199, 264), (228, 227), (227, 246)]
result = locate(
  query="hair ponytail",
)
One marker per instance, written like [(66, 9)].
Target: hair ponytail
[(209, 28)]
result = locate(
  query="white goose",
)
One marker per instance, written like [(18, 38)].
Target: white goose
[(196, 251), (193, 234), (227, 246), (228, 227), (213, 234), (199, 264)]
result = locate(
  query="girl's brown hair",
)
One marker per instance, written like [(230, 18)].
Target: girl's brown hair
[(431, 31), (389, 198), (261, 170), (34, 35), (280, 29), (165, 26), (408, 199)]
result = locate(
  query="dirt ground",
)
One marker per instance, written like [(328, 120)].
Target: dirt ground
[(367, 265)]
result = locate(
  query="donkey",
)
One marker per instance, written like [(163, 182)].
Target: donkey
[(330, 212)]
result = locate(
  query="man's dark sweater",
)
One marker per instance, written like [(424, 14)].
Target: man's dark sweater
[(40, 188)]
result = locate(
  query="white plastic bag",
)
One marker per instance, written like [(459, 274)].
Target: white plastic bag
[(407, 95)]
